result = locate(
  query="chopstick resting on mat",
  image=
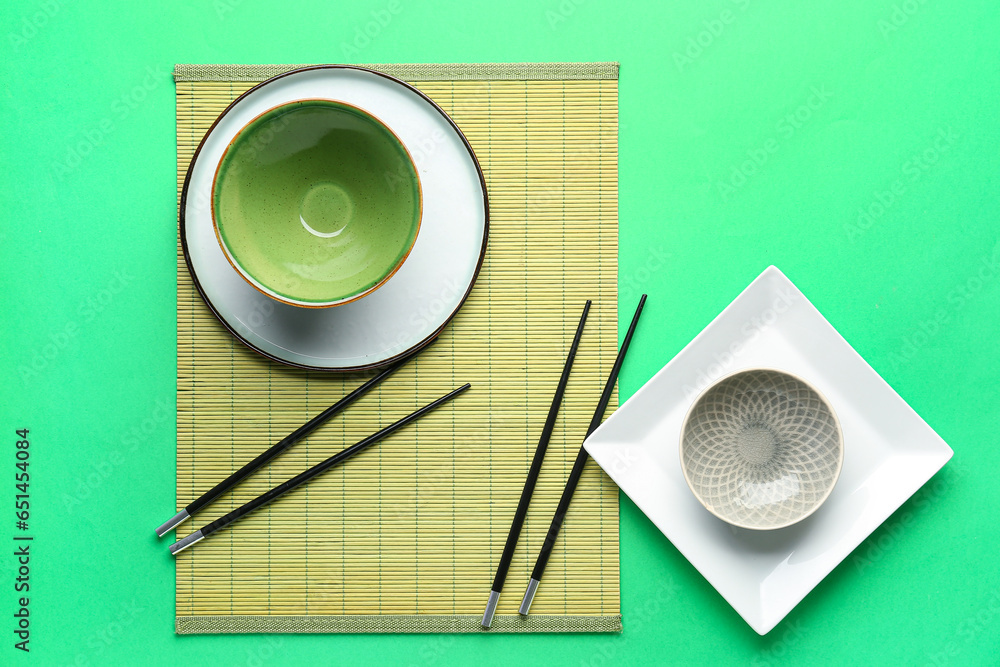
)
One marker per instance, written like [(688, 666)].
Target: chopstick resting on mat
[(577, 471), (529, 483), (272, 451), (304, 477)]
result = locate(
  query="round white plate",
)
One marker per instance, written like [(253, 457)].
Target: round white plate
[(413, 306)]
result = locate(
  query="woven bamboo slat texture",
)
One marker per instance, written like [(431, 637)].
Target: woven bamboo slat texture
[(406, 536)]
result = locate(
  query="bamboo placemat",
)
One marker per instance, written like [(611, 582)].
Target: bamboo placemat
[(406, 536)]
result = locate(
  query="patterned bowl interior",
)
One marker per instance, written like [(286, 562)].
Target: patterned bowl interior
[(761, 449)]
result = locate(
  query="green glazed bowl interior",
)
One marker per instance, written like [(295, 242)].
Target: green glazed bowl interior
[(316, 203)]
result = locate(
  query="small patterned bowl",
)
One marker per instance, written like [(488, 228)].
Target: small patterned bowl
[(761, 449)]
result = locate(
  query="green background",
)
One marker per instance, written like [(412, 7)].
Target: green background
[(892, 104)]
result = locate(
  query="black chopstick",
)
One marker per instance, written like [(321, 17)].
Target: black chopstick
[(529, 483), (272, 451), (304, 477), (574, 476)]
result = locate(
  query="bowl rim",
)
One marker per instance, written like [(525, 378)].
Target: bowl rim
[(822, 397), (264, 289)]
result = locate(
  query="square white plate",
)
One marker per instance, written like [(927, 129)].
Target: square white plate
[(890, 452)]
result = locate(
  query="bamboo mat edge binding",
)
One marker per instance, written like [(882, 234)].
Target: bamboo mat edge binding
[(397, 623), (415, 71)]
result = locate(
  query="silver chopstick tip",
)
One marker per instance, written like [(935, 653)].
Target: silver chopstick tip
[(182, 544), (177, 520), (529, 595), (491, 608)]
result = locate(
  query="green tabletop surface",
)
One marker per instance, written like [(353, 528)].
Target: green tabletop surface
[(855, 145)]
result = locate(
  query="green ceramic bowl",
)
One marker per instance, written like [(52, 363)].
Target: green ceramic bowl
[(316, 203)]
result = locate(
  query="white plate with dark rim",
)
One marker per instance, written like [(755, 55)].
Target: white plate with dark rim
[(889, 451), (413, 306)]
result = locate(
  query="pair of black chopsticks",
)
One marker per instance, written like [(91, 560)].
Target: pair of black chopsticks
[(571, 482), (302, 477)]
